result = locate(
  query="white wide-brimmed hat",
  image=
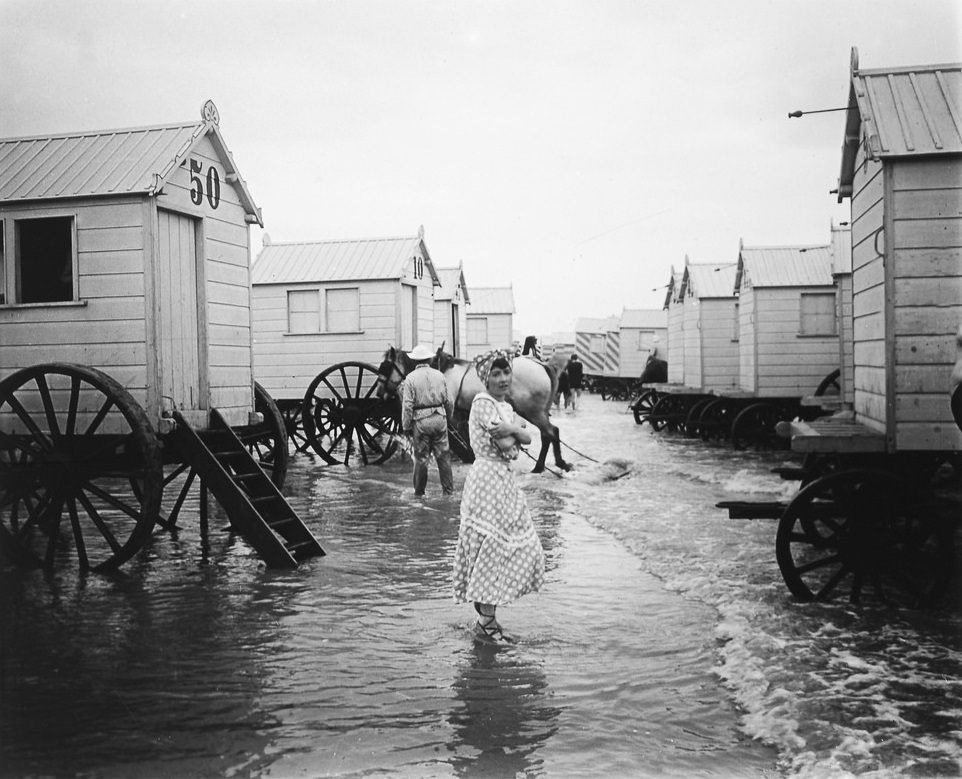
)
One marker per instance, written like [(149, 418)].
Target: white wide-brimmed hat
[(421, 352)]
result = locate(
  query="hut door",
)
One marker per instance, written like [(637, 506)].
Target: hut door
[(455, 331), (409, 316), (178, 330)]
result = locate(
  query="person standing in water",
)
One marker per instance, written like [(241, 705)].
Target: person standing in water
[(426, 409), (576, 372), (499, 556)]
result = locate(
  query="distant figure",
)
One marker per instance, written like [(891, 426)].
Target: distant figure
[(576, 375), (564, 389), (656, 371), (426, 409), (531, 348)]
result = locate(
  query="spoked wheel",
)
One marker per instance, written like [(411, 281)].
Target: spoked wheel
[(344, 418), (294, 423), (642, 407), (267, 441), (831, 384), (714, 422), (754, 425), (690, 425), (667, 412), (80, 469), (862, 534)]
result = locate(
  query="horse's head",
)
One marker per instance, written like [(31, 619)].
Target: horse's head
[(394, 367), (442, 360)]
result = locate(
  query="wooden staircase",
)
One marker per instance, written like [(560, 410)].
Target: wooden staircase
[(256, 508)]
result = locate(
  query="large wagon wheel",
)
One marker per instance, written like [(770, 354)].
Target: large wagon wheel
[(267, 441), (754, 424), (690, 426), (831, 384), (344, 418), (862, 532), (715, 420), (667, 412), (80, 468), (294, 423), (642, 407)]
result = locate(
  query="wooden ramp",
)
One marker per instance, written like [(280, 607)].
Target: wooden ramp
[(256, 508)]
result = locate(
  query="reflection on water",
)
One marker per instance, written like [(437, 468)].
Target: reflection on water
[(504, 717), (360, 663)]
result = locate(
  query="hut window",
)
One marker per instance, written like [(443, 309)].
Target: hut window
[(597, 344), (478, 330), (817, 314), (45, 260), (645, 337), (304, 311), (343, 310)]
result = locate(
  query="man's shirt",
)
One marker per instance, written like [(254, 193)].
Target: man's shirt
[(423, 393)]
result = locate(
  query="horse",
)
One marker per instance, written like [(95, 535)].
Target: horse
[(532, 389)]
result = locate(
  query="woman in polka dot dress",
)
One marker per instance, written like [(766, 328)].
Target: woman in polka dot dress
[(499, 556)]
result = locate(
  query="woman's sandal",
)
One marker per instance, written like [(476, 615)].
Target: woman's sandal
[(488, 630)]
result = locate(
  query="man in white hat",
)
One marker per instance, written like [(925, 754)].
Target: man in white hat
[(426, 408)]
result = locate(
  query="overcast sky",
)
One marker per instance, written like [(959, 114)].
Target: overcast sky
[(573, 150)]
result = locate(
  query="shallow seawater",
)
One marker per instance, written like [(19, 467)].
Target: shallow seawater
[(663, 643)]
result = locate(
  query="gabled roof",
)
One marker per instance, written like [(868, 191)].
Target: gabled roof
[(673, 287), (450, 279), (784, 266), (901, 112), (491, 300), (558, 339), (111, 162), (708, 280), (363, 259), (644, 318), (597, 325)]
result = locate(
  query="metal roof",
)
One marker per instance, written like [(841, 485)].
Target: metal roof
[(352, 260), (644, 318), (109, 162), (709, 280), (901, 112), (597, 325), (785, 266), (673, 287), (492, 300), (450, 278)]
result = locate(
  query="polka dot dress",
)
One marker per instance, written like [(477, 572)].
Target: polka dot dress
[(499, 555)]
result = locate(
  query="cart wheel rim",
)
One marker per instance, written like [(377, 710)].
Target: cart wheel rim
[(80, 468)]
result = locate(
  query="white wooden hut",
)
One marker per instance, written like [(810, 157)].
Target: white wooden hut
[(643, 332), (902, 168), (592, 344), (318, 303), (490, 320), (787, 322), (451, 300), (558, 343), (675, 311), (710, 334), (129, 251)]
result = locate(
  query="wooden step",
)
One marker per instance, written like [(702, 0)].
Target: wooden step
[(253, 503)]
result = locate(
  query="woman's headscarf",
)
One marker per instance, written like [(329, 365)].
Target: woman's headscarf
[(483, 362)]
